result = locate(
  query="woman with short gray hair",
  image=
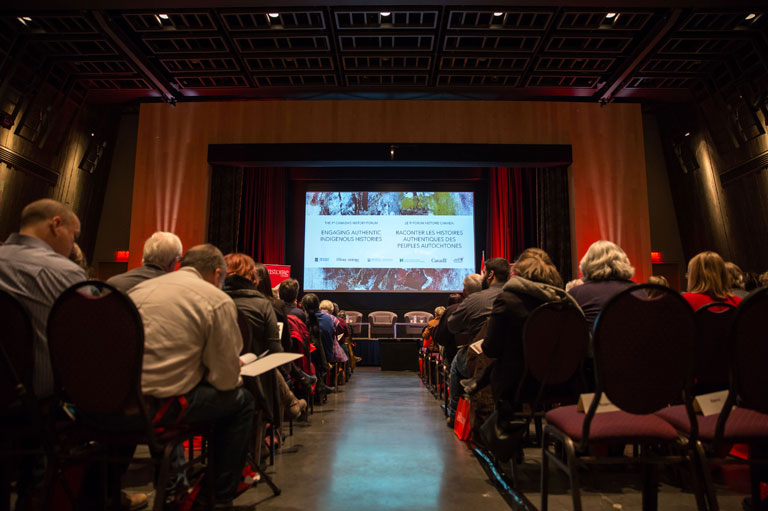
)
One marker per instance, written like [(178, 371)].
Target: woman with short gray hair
[(606, 270)]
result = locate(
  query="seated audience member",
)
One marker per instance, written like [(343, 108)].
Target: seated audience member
[(79, 259), (162, 251), (260, 315), (659, 280), (191, 350), (752, 281), (473, 283), (607, 271), (36, 269), (264, 285), (429, 343), (327, 308), (536, 281), (735, 280), (763, 279), (468, 319), (708, 281), (321, 332), (288, 291)]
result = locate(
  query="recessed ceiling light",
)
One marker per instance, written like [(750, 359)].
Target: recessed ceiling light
[(751, 16), (26, 18), (610, 15), (384, 14), (274, 14), (21, 20), (687, 133), (497, 14), (163, 16)]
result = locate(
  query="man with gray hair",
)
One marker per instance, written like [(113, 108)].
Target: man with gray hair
[(192, 344), (162, 251)]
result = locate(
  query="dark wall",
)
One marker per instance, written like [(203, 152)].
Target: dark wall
[(46, 160), (718, 175)]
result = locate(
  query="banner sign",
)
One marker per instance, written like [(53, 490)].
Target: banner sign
[(278, 273)]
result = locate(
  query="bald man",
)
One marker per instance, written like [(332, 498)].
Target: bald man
[(36, 269)]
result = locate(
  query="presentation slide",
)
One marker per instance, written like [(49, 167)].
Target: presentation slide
[(388, 241)]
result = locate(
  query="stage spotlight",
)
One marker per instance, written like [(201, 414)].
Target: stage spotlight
[(274, 14), (610, 15), (384, 14), (497, 14), (163, 16), (750, 16)]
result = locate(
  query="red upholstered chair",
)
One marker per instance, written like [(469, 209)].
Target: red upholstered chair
[(24, 423), (96, 340), (747, 351), (643, 349)]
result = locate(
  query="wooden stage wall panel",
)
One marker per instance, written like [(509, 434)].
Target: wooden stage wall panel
[(610, 199)]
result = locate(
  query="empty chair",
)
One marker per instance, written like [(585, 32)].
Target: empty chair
[(354, 317), (382, 323), (416, 317)]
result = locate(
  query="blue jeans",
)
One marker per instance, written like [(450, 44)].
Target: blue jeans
[(231, 411), (458, 372)]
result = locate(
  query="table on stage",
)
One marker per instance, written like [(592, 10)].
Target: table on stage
[(409, 330), (359, 327)]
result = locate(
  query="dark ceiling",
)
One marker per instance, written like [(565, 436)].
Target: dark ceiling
[(552, 51)]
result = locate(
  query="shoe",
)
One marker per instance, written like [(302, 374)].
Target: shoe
[(470, 386), (307, 380), (133, 501), (450, 421), (298, 406)]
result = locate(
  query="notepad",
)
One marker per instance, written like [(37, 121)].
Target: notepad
[(255, 366)]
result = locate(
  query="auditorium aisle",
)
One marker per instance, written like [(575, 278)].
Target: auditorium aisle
[(380, 444)]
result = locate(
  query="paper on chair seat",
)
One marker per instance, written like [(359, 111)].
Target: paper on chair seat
[(605, 405), (710, 404), (264, 364)]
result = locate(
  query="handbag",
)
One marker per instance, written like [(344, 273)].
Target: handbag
[(503, 433)]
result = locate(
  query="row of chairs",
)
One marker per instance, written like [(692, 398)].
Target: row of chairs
[(96, 342), (651, 354)]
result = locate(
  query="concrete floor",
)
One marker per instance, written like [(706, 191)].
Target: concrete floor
[(381, 444)]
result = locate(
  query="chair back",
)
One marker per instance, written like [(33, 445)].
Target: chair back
[(410, 316), (713, 327), (382, 318), (750, 351), (555, 342), (96, 339), (16, 351), (644, 345)]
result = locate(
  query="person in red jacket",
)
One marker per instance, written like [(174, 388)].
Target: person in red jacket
[(708, 281)]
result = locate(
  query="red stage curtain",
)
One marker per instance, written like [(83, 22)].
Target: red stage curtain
[(506, 222), (263, 225)]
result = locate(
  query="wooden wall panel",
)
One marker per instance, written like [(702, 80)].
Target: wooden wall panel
[(609, 183)]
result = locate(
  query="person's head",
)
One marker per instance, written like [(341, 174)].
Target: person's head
[(209, 261), (288, 290), (242, 265), (342, 315), (263, 281), (606, 260), (573, 283), (77, 257), (52, 222), (752, 281), (162, 249), (335, 309), (735, 276), (763, 279), (534, 264), (659, 280), (496, 271), (327, 306), (472, 283), (707, 275), (439, 310), (456, 297), (310, 303)]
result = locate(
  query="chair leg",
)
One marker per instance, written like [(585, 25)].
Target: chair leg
[(700, 459), (544, 472), (754, 482), (573, 474), (162, 477), (650, 487)]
